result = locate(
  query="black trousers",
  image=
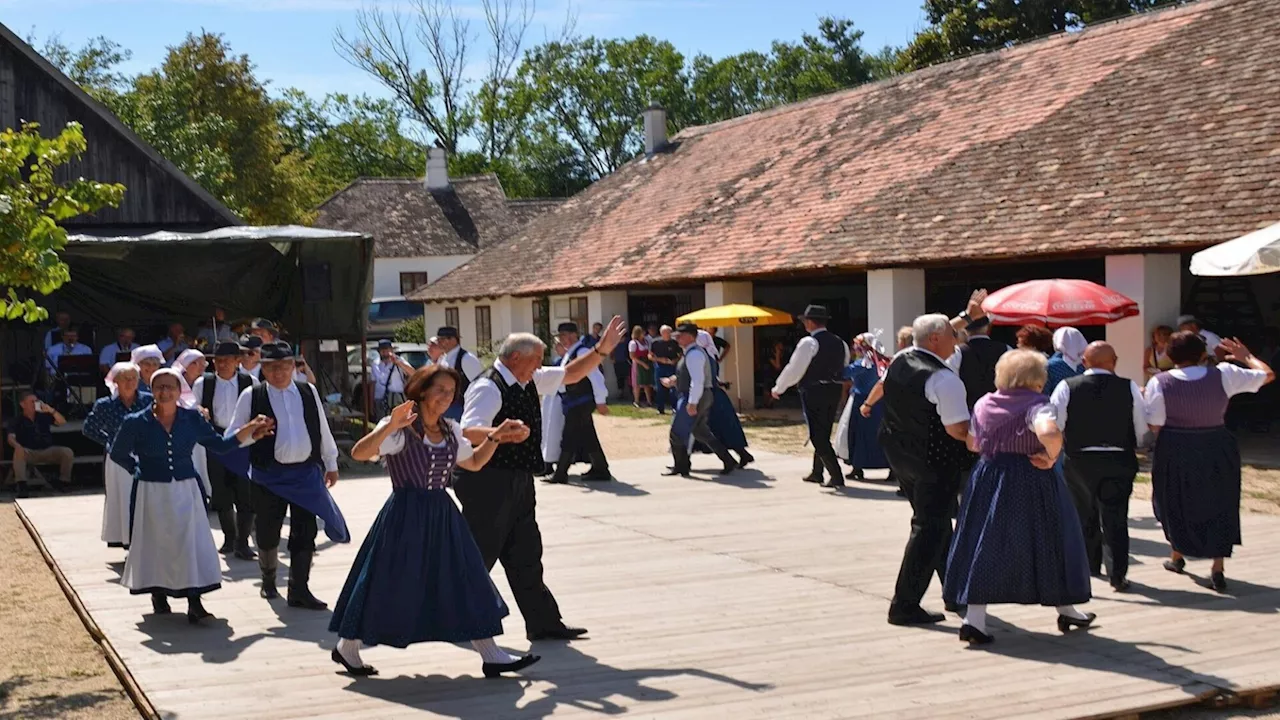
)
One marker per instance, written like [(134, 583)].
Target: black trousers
[(229, 490), (579, 439), (821, 405), (269, 521), (702, 433), (500, 508), (1101, 483), (932, 492)]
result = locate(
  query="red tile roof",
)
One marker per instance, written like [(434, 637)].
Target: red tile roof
[(1157, 132)]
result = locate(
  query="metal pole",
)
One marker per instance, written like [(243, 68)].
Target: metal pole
[(364, 379), (737, 366)]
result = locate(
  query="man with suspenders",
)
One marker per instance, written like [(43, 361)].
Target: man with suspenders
[(218, 392)]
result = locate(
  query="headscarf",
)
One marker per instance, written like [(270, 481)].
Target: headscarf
[(170, 371), (1070, 343), (187, 357), (873, 354), (122, 366), (708, 343), (146, 351)]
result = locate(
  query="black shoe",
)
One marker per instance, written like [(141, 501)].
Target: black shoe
[(196, 611), (244, 552), (1218, 581), (361, 671), (160, 605), (228, 546), (1120, 585), (556, 480), (728, 469), (812, 478), (900, 493), (915, 616), (856, 475), (1176, 566), (835, 482), (672, 472), (594, 475), (956, 608), (974, 636), (268, 563), (546, 470), (745, 458), (227, 523), (1066, 623), (560, 633), (493, 670), (300, 597), (299, 575)]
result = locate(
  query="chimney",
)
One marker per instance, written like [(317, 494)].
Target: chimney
[(437, 169), (655, 129)]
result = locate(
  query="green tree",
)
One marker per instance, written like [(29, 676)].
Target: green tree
[(93, 66), (729, 87), (411, 330), (32, 204)]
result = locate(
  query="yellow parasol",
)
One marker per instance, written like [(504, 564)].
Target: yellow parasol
[(736, 316)]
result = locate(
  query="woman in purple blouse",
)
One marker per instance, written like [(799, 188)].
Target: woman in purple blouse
[(419, 576), (1018, 538)]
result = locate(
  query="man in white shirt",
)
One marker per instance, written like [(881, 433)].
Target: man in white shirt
[(124, 344), (817, 366), (498, 500), (69, 345), (218, 392), (251, 356), (62, 321), (220, 331), (691, 416), (1211, 339), (173, 345), (569, 433), (290, 471), (1103, 421), (389, 373), (455, 356)]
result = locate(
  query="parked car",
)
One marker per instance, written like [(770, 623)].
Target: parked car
[(413, 353), (388, 312)]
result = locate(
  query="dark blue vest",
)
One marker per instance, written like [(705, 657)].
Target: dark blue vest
[(827, 365)]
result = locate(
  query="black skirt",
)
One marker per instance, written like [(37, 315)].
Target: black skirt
[(1195, 479)]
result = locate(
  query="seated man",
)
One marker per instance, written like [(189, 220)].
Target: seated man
[(31, 438), (124, 344), (69, 345), (173, 345)]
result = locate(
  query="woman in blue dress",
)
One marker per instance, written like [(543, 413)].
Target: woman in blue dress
[(1018, 537), (1067, 360), (171, 550), (856, 441), (724, 422), (101, 426), (419, 576)]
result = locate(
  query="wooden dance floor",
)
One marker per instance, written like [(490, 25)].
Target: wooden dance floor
[(754, 596)]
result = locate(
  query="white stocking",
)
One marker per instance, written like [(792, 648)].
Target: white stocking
[(491, 653), (1071, 612), (350, 651), (975, 616)]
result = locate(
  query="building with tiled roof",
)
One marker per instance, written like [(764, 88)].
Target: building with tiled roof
[(1108, 153)]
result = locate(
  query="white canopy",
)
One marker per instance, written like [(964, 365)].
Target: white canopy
[(1257, 253)]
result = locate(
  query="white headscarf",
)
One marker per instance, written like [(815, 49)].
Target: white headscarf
[(122, 366), (170, 371), (180, 364), (707, 343), (144, 352), (1071, 344)]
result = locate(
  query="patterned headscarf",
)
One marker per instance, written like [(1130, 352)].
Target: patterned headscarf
[(873, 354), (120, 367)]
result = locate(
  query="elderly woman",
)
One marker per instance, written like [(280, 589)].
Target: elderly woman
[(149, 359), (171, 552), (856, 441), (100, 426), (191, 365), (1018, 538), (1034, 337), (724, 422), (1068, 357), (419, 576), (1195, 474)]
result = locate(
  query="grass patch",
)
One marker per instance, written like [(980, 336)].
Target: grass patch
[(629, 411), (1143, 478)]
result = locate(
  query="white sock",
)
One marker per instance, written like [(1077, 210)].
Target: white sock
[(975, 616), (491, 653), (1071, 612), (350, 651)]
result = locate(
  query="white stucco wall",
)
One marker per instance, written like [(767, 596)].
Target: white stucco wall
[(503, 318), (1155, 281), (386, 271)]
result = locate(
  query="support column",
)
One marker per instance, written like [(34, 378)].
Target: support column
[(602, 305), (895, 297), (740, 367), (1155, 282)]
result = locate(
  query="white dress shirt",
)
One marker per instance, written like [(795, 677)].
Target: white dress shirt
[(108, 355), (166, 345), (211, 338), (61, 349), (471, 366), (394, 442), (48, 338), (1235, 380), (1211, 340), (293, 445), (1061, 398), (945, 390), (804, 353), (226, 393), (699, 367), (484, 399), (387, 376), (598, 388), (255, 373)]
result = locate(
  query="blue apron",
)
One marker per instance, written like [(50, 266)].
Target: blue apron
[(682, 422), (303, 485)]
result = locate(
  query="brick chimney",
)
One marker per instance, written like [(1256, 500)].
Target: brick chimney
[(655, 129), (437, 169)]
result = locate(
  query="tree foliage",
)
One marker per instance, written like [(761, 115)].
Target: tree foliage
[(32, 206)]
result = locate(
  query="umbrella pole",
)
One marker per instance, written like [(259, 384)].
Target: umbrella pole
[(737, 366)]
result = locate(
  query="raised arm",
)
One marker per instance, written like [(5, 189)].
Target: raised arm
[(586, 362)]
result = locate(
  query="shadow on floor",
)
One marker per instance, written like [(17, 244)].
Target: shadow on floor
[(45, 705), (214, 639)]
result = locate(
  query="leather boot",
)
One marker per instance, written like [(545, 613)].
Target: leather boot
[(268, 563), (299, 575), (244, 526), (227, 521)]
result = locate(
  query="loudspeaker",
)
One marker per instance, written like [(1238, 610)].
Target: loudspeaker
[(317, 283)]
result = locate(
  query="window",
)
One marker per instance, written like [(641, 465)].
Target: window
[(542, 319), (410, 281), (484, 330), (578, 313), (451, 317)]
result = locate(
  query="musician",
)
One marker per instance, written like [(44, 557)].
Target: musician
[(124, 344), (456, 357), (69, 345), (209, 337), (54, 336), (173, 345), (217, 392)]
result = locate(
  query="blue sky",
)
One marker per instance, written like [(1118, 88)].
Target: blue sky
[(291, 40)]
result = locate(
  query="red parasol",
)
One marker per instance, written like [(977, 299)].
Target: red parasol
[(1057, 303)]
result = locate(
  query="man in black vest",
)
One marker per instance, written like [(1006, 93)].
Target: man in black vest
[(1103, 421), (456, 357), (498, 501), (574, 432), (218, 392), (924, 434), (290, 470), (817, 366), (691, 416), (977, 361)]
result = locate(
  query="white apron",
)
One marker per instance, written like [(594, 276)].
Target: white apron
[(171, 547), (842, 431), (552, 428), (118, 485)]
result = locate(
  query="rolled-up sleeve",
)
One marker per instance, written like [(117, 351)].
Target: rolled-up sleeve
[(483, 401), (1140, 428), (946, 391), (1154, 403), (1237, 380), (548, 379), (797, 365), (598, 388)]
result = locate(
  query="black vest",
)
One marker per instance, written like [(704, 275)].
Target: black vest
[(1099, 413), (684, 380), (828, 363), (910, 421), (518, 403), (263, 452), (978, 360), (579, 393), (211, 384), (463, 381)]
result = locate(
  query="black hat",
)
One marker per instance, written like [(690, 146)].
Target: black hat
[(264, 324), (447, 332), (567, 327), (276, 351), (816, 312), (251, 342), (687, 327), (384, 344), (227, 348)]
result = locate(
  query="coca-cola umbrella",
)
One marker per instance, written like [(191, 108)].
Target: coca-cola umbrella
[(1057, 303)]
